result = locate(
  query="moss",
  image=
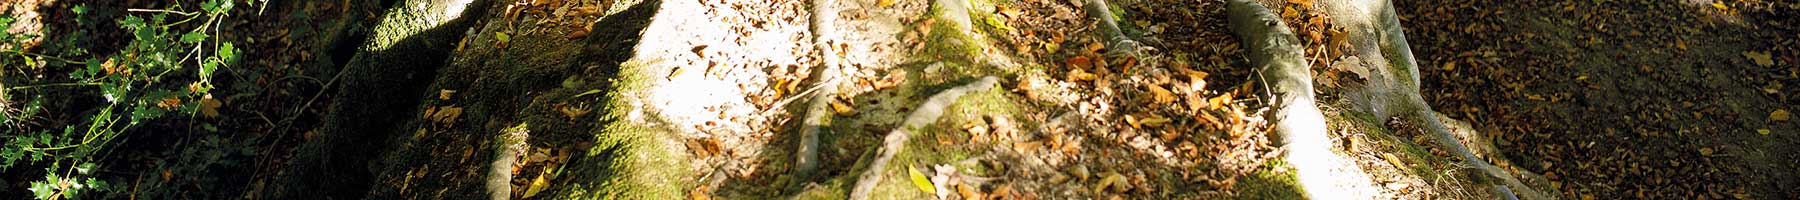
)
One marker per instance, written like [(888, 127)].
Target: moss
[(1274, 180), (629, 160)]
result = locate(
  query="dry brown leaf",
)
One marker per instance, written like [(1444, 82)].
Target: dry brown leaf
[(968, 192), (1160, 95), (209, 107), (1095, 47), (700, 193), (447, 114), (1079, 62)]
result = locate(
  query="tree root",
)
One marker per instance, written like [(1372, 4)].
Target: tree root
[(1276, 52), (1116, 41), (895, 140), (818, 110)]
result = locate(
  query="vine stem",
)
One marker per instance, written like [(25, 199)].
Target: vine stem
[(162, 11), (50, 85), (22, 53)]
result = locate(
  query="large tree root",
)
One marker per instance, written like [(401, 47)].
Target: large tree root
[(895, 140), (1276, 52), (818, 110), (1377, 40)]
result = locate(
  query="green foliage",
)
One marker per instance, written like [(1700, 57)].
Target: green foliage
[(164, 70)]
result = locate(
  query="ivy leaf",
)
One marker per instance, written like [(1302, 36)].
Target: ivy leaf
[(42, 190), (193, 37), (79, 9), (227, 53), (85, 168)]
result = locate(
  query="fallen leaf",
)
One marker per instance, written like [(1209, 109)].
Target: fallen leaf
[(1448, 66), (445, 94), (1160, 95), (919, 180), (501, 39), (1760, 58), (537, 185), (1720, 5), (700, 51), (1079, 75), (1762, 131), (842, 109), (447, 114), (1154, 121), (1393, 160), (1779, 115), (967, 192), (885, 3), (700, 193), (1095, 47), (1706, 151), (1111, 180), (1079, 62)]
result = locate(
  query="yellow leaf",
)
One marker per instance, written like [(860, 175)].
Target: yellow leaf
[(445, 94), (1154, 121), (842, 109), (1720, 6), (919, 180), (1760, 58), (1449, 66), (1779, 115), (537, 185), (885, 3), (1706, 151), (1762, 131)]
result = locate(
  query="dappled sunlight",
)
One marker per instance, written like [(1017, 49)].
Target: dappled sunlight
[(28, 18)]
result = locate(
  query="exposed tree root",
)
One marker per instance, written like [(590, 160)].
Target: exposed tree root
[(1108, 28), (1377, 39), (895, 140), (1280, 61), (1392, 89), (818, 111)]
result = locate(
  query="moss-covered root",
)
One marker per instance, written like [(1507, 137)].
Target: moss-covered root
[(1276, 52), (896, 140)]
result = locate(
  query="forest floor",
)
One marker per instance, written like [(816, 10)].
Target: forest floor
[(1623, 99), (1608, 99)]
